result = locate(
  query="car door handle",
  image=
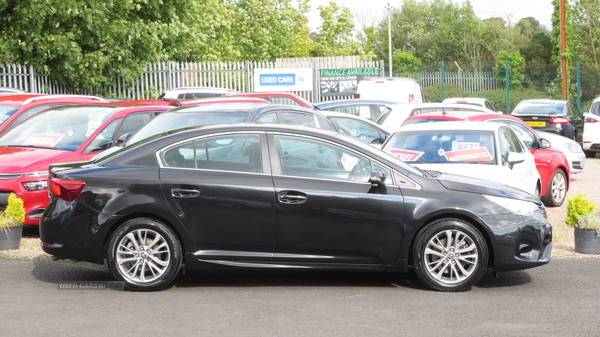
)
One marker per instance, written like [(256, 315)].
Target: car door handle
[(288, 198), (184, 193)]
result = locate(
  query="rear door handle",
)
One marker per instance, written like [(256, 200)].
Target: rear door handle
[(287, 197), (184, 192)]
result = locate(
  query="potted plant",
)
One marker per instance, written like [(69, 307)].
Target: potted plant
[(581, 215), (11, 223)]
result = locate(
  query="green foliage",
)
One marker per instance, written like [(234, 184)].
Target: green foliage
[(538, 50), (515, 70), (405, 64), (585, 37), (335, 35), (434, 93), (14, 214), (578, 206)]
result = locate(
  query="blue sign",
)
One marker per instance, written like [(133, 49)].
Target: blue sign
[(277, 79)]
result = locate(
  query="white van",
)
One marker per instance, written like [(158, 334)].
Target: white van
[(399, 89)]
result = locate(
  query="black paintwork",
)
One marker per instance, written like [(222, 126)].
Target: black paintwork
[(261, 220)]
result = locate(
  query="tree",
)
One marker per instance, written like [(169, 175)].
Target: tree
[(586, 32), (538, 50), (335, 35), (515, 72), (82, 44), (405, 64)]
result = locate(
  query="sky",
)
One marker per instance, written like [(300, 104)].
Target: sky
[(370, 12)]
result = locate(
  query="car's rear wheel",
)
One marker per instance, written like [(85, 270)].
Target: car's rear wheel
[(556, 192), (450, 255), (145, 254), (589, 154)]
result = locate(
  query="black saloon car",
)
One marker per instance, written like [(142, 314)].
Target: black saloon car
[(284, 196), (555, 116)]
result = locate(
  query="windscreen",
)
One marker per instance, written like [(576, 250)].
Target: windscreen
[(173, 121), (64, 128), (6, 111), (437, 146)]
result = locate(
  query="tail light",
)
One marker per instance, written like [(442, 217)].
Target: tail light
[(590, 120), (559, 120), (65, 189)]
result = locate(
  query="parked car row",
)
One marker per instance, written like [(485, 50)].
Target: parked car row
[(149, 186)]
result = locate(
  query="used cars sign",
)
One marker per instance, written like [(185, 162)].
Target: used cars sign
[(288, 79)]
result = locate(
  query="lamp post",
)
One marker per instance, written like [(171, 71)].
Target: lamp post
[(390, 39)]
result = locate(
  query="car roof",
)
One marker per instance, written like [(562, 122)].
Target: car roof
[(352, 102), (215, 100), (543, 101), (450, 115), (463, 100), (459, 125), (17, 99)]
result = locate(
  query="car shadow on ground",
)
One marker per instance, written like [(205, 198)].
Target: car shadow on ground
[(73, 271)]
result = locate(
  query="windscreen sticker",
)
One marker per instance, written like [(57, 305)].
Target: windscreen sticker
[(43, 140), (457, 146), (475, 154), (406, 155)]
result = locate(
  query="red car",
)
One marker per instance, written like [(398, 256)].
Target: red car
[(22, 107), (220, 100), (58, 135), (285, 98), (550, 162)]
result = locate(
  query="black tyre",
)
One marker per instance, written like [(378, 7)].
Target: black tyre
[(450, 255), (145, 254), (556, 192), (589, 154)]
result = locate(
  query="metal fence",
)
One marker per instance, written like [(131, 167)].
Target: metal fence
[(166, 75)]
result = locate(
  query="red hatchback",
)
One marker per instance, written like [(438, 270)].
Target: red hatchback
[(550, 162), (59, 135), (25, 106)]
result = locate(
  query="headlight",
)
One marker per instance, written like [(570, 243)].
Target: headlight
[(575, 148), (520, 207), (37, 174), (36, 185)]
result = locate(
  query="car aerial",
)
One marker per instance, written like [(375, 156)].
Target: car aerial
[(60, 134), (281, 98), (360, 128), (231, 113), (476, 149), (393, 119), (276, 196), (34, 105), (591, 130), (550, 115), (477, 101), (366, 108), (550, 161)]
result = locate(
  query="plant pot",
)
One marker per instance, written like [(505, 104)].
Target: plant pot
[(587, 241), (11, 237)]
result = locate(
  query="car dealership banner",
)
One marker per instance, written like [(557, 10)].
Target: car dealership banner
[(343, 82), (283, 79)]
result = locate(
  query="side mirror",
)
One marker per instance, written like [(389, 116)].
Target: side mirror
[(515, 158), (377, 181), (544, 143), (123, 139)]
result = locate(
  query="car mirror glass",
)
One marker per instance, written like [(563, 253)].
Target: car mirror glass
[(544, 143)]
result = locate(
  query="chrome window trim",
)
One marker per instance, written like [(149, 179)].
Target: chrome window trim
[(262, 134)]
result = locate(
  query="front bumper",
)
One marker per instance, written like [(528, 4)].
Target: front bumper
[(521, 242), (34, 201)]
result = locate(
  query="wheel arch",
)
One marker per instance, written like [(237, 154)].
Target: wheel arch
[(185, 244), (472, 220)]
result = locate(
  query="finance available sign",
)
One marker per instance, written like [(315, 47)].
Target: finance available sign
[(343, 82), (288, 79)]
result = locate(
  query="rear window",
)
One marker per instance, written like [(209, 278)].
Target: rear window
[(435, 146), (594, 109), (539, 109), (173, 121)]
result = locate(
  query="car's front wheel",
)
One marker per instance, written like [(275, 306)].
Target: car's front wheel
[(556, 192), (145, 254), (450, 255)]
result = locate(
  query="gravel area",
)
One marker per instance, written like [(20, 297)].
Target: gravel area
[(587, 183)]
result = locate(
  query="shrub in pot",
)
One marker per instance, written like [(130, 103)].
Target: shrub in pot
[(11, 223), (581, 215)]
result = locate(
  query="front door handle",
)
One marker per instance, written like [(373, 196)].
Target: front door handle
[(184, 192), (287, 197)]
